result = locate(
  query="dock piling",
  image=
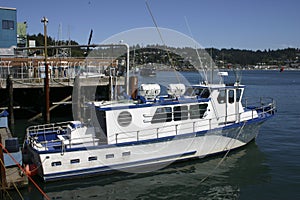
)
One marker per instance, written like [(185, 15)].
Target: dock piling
[(10, 90), (3, 174)]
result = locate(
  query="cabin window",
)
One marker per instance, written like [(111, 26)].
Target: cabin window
[(92, 158), (180, 113), (58, 163), (74, 161), (163, 114), (101, 119), (109, 156), (231, 96), (205, 93), (197, 111), (238, 94), (124, 118), (221, 97)]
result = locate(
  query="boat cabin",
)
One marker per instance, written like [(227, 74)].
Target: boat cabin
[(183, 110)]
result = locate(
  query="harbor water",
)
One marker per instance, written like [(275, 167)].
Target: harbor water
[(268, 168)]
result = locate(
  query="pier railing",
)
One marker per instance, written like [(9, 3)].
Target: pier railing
[(30, 72)]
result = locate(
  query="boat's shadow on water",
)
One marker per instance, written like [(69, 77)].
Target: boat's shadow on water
[(194, 179)]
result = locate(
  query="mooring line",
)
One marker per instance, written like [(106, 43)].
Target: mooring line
[(222, 160), (23, 170)]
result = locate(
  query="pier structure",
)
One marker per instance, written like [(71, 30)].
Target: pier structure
[(21, 79), (30, 72), (43, 77)]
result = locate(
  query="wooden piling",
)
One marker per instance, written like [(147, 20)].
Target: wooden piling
[(3, 174), (133, 86), (10, 90), (76, 99), (46, 95)]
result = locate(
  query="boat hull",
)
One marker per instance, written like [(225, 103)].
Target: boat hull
[(141, 156)]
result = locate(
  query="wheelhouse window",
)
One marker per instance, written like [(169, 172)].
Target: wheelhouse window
[(202, 92), (101, 116), (197, 111), (162, 114), (238, 94), (221, 97), (205, 93), (231, 96), (180, 113), (8, 24)]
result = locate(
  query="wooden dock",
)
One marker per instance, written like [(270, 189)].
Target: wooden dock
[(14, 177)]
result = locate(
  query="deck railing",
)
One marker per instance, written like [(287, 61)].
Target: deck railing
[(261, 107)]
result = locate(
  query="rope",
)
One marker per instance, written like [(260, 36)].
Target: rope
[(2, 163), (162, 40), (18, 191), (8, 195), (222, 160), (18, 164)]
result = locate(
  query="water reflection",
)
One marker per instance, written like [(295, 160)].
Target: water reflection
[(241, 168)]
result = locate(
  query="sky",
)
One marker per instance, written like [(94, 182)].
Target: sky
[(242, 24)]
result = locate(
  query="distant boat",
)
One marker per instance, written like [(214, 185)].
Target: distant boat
[(281, 69), (148, 71)]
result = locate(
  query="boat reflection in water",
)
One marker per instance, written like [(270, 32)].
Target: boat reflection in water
[(198, 179)]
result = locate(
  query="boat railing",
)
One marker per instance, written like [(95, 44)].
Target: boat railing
[(193, 126), (262, 106), (46, 127), (62, 143)]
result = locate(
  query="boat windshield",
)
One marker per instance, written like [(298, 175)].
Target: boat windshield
[(196, 91)]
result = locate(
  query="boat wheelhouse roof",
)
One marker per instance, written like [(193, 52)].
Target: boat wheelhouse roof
[(218, 86), (163, 100), (160, 101)]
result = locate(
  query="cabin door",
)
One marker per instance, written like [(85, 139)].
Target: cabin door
[(231, 106)]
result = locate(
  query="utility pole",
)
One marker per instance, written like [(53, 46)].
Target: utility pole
[(46, 80)]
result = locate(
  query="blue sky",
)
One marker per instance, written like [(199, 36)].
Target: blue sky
[(243, 24)]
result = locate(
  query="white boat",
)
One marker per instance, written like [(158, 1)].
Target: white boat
[(148, 132)]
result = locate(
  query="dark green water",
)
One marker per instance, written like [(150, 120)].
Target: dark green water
[(268, 168)]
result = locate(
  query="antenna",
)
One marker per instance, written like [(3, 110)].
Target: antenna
[(69, 40), (161, 38), (199, 58), (205, 73), (238, 75)]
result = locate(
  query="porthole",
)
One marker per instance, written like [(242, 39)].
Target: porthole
[(124, 118), (58, 163)]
